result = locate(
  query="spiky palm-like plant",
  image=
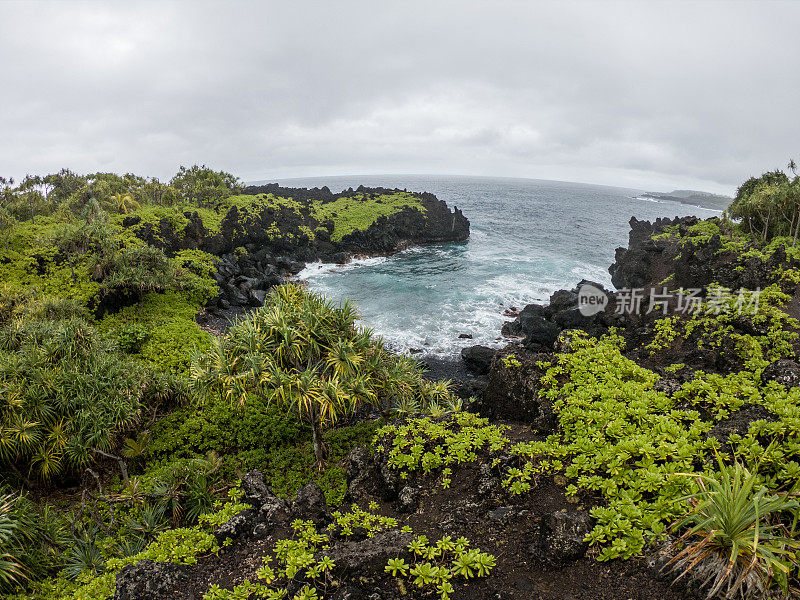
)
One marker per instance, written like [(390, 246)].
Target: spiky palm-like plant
[(64, 391), (121, 203), (304, 352), (735, 544), (12, 572)]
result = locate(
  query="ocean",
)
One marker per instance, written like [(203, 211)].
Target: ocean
[(528, 239)]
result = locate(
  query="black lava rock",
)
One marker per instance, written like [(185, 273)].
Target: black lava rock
[(784, 371), (309, 504), (478, 358), (149, 580), (561, 536)]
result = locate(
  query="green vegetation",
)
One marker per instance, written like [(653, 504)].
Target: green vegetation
[(107, 381), (301, 562), (642, 458), (67, 392), (204, 186), (427, 445), (764, 215), (736, 543), (357, 213), (444, 561), (769, 206), (306, 354)]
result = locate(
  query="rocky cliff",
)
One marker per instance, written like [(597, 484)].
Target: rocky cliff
[(269, 233), (689, 253)]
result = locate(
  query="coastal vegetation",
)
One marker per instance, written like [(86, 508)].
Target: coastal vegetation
[(132, 436)]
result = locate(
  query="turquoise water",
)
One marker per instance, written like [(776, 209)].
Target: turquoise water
[(528, 239)]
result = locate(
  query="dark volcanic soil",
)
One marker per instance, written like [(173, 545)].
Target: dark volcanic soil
[(503, 526)]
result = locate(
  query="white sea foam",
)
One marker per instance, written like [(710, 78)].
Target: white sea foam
[(318, 269), (522, 248)]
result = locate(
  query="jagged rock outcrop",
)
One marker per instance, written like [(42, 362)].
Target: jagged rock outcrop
[(513, 390), (310, 503), (648, 262), (540, 325), (478, 358), (363, 476)]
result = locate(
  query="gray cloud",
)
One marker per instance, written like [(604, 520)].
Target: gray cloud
[(645, 94)]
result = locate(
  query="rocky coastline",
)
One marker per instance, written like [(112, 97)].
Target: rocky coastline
[(261, 248), (545, 531)]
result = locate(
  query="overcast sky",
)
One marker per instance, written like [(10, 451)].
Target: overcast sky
[(641, 94)]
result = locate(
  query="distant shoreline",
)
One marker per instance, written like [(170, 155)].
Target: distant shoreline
[(692, 198)]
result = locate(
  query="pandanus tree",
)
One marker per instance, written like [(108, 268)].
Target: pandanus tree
[(306, 354), (65, 392)]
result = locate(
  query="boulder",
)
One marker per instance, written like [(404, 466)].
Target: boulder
[(513, 391), (245, 284), (738, 422), (239, 525), (267, 510), (561, 536), (363, 476), (257, 297), (150, 580), (369, 556), (273, 511), (255, 488), (408, 499), (309, 504), (511, 329), (489, 484), (236, 297), (478, 359), (538, 331)]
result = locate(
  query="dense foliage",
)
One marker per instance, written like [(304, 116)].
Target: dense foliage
[(108, 382), (303, 352), (769, 206), (67, 392)]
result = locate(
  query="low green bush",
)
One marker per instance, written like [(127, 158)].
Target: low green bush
[(162, 329)]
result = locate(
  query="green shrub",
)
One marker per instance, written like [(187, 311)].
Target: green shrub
[(426, 445), (225, 428), (172, 337)]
